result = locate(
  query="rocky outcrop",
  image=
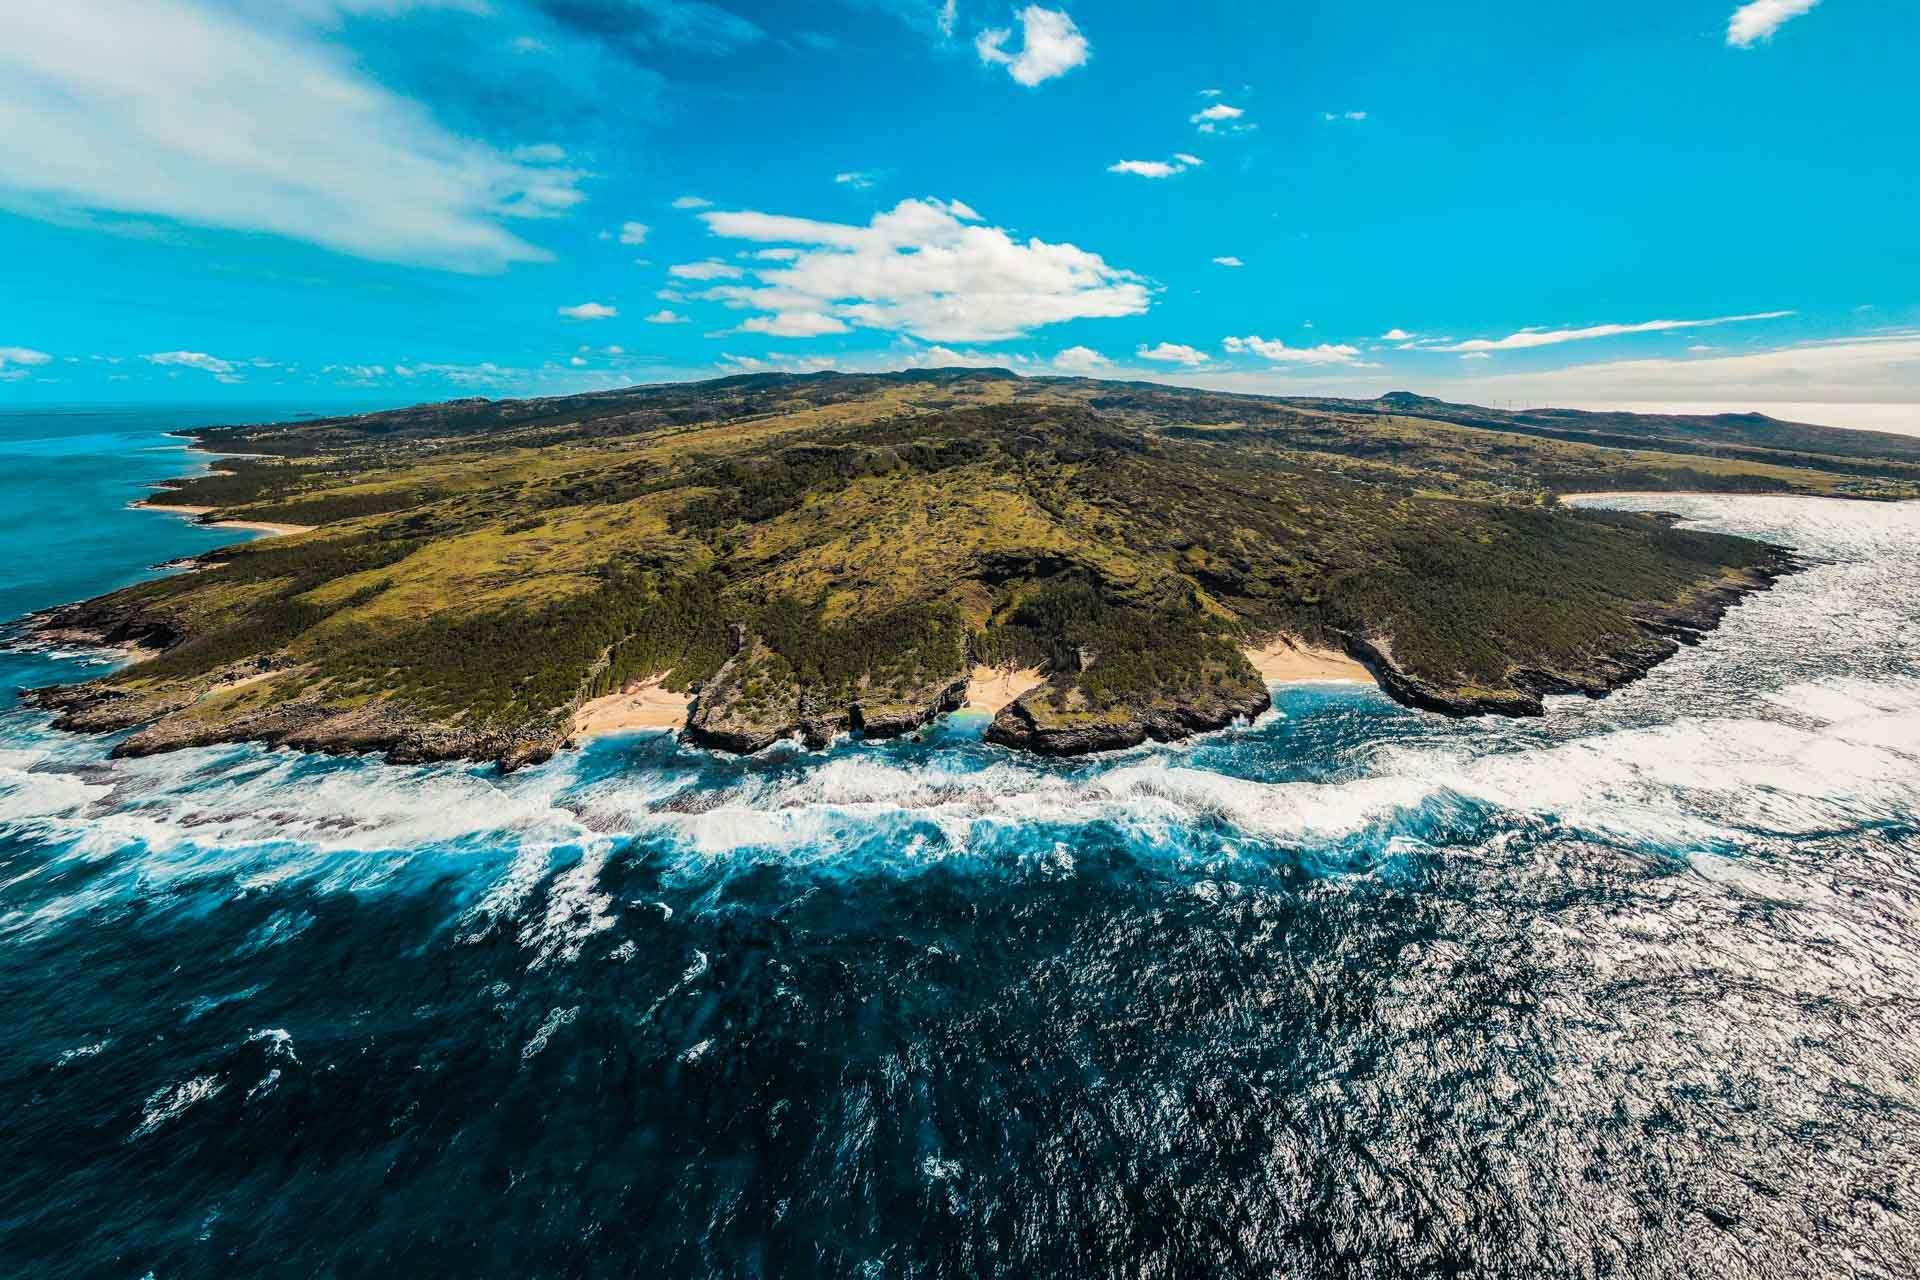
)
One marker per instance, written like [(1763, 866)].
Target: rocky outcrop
[(753, 702), (1056, 720), (1662, 631), (174, 723)]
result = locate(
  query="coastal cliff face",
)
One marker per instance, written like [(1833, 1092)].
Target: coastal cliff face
[(755, 700), (1057, 719), (817, 556), (1661, 630)]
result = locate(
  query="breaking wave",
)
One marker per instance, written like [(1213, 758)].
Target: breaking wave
[(1356, 990)]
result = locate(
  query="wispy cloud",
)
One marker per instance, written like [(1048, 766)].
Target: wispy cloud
[(1752, 23), (190, 112), (1157, 168), (794, 324), (706, 271), (22, 356), (1332, 116), (644, 25), (1172, 353), (1050, 45), (1228, 261), (191, 360), (858, 179), (692, 202), (1527, 339), (1277, 351), (590, 311), (633, 233), (1878, 368), (1080, 360), (930, 268), (666, 315)]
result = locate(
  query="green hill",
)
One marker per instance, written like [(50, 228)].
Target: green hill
[(834, 552)]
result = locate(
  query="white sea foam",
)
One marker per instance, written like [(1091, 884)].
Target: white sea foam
[(1802, 712), (174, 1101), (556, 1019)]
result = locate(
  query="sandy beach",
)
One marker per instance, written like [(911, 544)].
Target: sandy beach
[(261, 526), (991, 688), (648, 707), (1287, 661)]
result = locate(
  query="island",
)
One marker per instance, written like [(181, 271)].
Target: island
[(761, 558)]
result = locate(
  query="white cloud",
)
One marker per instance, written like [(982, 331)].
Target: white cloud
[(1397, 335), (633, 233), (1172, 353), (191, 360), (22, 356), (1477, 355), (577, 362), (1217, 112), (949, 15), (1343, 115), (192, 112), (1527, 339), (1156, 168), (794, 324), (1879, 368), (1051, 45), (1080, 360), (929, 268), (1758, 21), (1210, 93), (590, 311), (1228, 261), (666, 315), (692, 202), (705, 271), (856, 179), (1280, 353)]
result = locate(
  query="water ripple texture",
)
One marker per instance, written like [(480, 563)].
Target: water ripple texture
[(1356, 991)]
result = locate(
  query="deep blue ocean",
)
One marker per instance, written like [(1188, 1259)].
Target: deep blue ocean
[(1632, 990)]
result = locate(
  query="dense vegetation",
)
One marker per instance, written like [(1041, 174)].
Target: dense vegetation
[(484, 564)]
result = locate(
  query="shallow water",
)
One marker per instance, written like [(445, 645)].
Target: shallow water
[(1354, 992)]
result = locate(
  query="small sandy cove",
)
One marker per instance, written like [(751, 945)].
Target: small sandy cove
[(647, 706), (260, 525), (991, 688), (1288, 661)]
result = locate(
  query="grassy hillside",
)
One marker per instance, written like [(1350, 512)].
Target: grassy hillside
[(834, 551)]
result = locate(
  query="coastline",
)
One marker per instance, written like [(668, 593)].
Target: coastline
[(1656, 494), (647, 708), (1284, 660), (258, 526)]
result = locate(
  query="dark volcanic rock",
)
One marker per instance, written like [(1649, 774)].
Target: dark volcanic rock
[(1662, 632), (1034, 723), (753, 702)]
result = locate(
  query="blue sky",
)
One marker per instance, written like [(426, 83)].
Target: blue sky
[(1692, 201)]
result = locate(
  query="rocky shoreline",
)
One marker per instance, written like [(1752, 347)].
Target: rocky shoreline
[(1032, 723), (1663, 632), (725, 717)]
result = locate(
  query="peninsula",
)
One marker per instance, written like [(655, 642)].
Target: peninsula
[(778, 555)]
